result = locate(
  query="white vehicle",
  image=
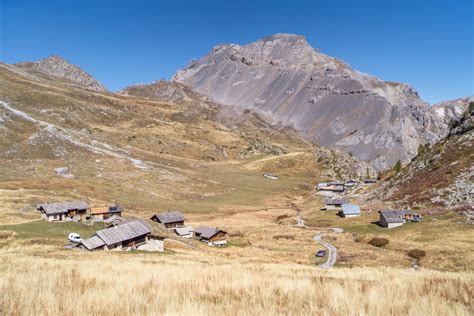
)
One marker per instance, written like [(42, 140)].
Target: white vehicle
[(75, 238)]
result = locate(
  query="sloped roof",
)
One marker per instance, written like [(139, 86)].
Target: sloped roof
[(207, 232), (350, 209), (392, 216), (335, 201), (169, 217), (126, 231), (114, 220), (62, 207), (93, 243), (181, 231)]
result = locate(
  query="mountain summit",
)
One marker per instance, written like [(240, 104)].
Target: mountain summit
[(323, 97), (58, 67)]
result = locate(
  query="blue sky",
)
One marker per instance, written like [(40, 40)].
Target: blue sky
[(427, 44)]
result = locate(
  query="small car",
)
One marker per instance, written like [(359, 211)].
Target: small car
[(75, 238), (321, 253)]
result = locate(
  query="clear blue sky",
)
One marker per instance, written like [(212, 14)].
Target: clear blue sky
[(427, 44)]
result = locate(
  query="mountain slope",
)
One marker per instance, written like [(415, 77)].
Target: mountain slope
[(441, 176), (291, 83), (57, 67)]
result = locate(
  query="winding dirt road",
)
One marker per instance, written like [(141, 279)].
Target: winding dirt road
[(332, 251)]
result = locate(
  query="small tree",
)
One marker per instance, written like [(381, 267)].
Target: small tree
[(421, 150), (398, 166), (470, 108)]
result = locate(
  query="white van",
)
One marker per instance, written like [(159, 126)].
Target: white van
[(75, 238)]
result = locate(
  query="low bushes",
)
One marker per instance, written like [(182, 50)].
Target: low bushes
[(416, 254), (379, 242)]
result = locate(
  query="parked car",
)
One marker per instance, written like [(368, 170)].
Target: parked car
[(75, 238), (321, 253)]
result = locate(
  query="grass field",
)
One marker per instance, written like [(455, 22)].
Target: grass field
[(47, 281), (44, 229)]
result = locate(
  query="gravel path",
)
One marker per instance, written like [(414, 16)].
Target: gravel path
[(332, 251)]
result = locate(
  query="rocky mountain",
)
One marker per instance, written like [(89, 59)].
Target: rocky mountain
[(440, 176), (452, 110), (293, 84), (57, 67)]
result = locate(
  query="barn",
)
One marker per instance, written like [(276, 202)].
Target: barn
[(211, 235), (393, 218), (170, 219), (63, 211), (333, 203), (134, 233), (349, 210)]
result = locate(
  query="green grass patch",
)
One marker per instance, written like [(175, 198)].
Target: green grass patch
[(58, 230)]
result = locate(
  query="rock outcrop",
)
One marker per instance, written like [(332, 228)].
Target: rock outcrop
[(293, 84), (452, 110), (58, 67)]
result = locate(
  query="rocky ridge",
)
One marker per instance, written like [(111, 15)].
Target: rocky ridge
[(293, 84), (57, 67)]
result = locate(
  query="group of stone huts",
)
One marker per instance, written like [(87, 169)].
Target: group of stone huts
[(387, 218), (77, 211), (340, 187), (174, 220)]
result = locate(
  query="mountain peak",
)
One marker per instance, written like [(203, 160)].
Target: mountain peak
[(58, 67), (293, 84)]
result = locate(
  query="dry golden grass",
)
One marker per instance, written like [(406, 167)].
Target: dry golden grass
[(77, 283)]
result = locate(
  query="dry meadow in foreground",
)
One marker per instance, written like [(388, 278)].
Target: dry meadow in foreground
[(74, 283)]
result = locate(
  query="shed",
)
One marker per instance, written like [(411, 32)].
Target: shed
[(369, 181), (69, 210), (350, 210), (93, 243), (211, 235), (270, 176), (350, 183), (335, 202), (186, 232), (125, 235), (391, 218), (169, 219)]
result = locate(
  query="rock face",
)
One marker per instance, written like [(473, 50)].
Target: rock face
[(453, 110), (440, 176), (164, 91), (58, 67), (293, 84)]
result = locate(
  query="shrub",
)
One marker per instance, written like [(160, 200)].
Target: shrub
[(416, 254), (379, 242), (421, 149), (398, 166), (470, 108)]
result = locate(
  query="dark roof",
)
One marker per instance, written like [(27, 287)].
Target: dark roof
[(350, 209), (93, 243), (62, 207), (329, 201), (122, 232), (169, 217), (207, 232), (392, 216)]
